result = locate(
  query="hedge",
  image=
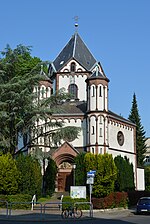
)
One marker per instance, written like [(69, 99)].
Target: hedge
[(19, 201), (113, 200), (71, 201)]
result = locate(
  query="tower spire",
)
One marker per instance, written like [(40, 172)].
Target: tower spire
[(76, 18)]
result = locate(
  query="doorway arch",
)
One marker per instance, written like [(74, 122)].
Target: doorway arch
[(64, 158)]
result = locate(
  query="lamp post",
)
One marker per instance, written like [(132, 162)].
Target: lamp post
[(74, 167)]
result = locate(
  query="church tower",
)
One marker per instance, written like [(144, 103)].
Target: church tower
[(97, 111)]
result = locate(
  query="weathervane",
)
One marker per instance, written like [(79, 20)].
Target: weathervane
[(76, 18)]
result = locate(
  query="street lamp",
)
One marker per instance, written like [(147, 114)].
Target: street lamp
[(74, 167)]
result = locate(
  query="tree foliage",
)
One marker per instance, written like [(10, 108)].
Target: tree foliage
[(140, 133), (80, 173), (19, 74), (147, 177), (50, 177), (125, 176), (9, 175), (30, 175), (106, 173), (90, 162)]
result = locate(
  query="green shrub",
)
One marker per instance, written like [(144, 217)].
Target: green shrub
[(50, 177), (3, 200), (9, 175), (125, 176), (114, 200), (30, 175), (77, 202), (20, 201)]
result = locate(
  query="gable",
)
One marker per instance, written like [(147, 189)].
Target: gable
[(65, 152), (75, 49)]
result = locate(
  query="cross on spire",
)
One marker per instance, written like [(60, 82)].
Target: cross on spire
[(76, 18)]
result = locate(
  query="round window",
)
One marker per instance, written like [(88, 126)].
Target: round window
[(120, 138)]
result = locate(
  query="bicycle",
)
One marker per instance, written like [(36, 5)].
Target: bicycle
[(72, 212)]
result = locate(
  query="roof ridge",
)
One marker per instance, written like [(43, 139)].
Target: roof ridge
[(74, 47)]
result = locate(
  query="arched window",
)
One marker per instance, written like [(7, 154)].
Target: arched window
[(93, 130), (93, 91), (73, 67), (100, 132), (100, 91), (73, 90)]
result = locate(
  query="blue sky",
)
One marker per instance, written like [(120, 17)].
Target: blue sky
[(117, 32)]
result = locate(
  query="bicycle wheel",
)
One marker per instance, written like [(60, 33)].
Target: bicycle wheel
[(77, 213), (65, 214)]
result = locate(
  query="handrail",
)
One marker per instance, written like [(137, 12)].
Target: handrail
[(6, 206)]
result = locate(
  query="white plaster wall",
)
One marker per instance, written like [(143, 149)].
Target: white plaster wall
[(80, 82), (100, 150), (78, 142), (76, 123), (131, 157), (67, 66), (106, 98), (64, 82), (140, 179), (84, 133), (48, 92), (106, 130), (128, 137)]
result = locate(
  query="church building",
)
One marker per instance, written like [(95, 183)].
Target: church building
[(102, 131)]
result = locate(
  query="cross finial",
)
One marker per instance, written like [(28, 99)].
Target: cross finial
[(76, 18)]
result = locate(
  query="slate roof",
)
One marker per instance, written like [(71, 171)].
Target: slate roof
[(98, 74), (75, 49), (119, 117), (73, 108)]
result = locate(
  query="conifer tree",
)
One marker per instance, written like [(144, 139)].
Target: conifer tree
[(140, 133), (9, 175), (50, 177), (147, 177), (124, 182), (80, 173), (106, 173), (19, 74), (30, 175)]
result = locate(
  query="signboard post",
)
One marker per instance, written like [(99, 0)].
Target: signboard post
[(90, 180)]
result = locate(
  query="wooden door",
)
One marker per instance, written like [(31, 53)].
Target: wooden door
[(64, 181)]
